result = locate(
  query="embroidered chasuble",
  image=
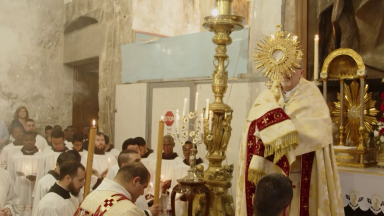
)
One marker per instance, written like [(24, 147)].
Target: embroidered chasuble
[(57, 202), (42, 187), (8, 196), (294, 137), (108, 199), (21, 166), (7, 153)]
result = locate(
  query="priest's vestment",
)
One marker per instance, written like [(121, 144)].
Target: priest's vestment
[(42, 187), (294, 137), (8, 196), (109, 198)]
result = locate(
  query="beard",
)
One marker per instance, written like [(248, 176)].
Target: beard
[(72, 190), (99, 151)]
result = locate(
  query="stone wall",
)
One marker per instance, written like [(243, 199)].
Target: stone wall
[(31, 69)]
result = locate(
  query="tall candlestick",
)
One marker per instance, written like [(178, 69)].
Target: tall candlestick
[(91, 149), (196, 101), (316, 59), (206, 109), (177, 123), (202, 123), (185, 107), (210, 120), (158, 160)]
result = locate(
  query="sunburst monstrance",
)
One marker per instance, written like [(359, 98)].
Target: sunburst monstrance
[(351, 113)]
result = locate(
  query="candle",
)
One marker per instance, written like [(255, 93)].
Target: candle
[(316, 59), (206, 109), (202, 123), (91, 149), (177, 123), (185, 107), (160, 136), (210, 120), (196, 101)]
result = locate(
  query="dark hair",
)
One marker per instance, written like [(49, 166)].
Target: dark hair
[(16, 115), (170, 138), (189, 142), (140, 141), (75, 154), (273, 194), (128, 142), (17, 127), (48, 127), (29, 120), (99, 134), (78, 137), (70, 168), (106, 139), (124, 155), (65, 156), (57, 134), (133, 170), (56, 127), (30, 133), (70, 127)]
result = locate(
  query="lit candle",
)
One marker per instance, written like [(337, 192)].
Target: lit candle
[(109, 160), (177, 123), (210, 120), (202, 123), (316, 59), (196, 101), (162, 177), (158, 160), (185, 107), (206, 109), (91, 149)]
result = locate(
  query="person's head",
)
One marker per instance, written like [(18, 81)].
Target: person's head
[(77, 142), (273, 196), (186, 150), (75, 154), (290, 82), (131, 144), (64, 157), (30, 125), (142, 145), (134, 177), (21, 112), (69, 134), (48, 131), (168, 145), (72, 176), (29, 140), (57, 138), (128, 156), (57, 127), (99, 142), (86, 130), (17, 134)]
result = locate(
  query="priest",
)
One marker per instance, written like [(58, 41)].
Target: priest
[(23, 167), (120, 194), (41, 142), (7, 152), (291, 135), (9, 200), (61, 199)]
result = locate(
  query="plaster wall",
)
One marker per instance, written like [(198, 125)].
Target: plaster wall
[(31, 69)]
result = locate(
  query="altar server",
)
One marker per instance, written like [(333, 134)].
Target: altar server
[(145, 152), (69, 133), (9, 150), (41, 142), (61, 199), (9, 199), (78, 144), (23, 167), (109, 148)]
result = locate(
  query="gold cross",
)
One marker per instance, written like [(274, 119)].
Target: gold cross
[(285, 164), (305, 206), (265, 120), (306, 179), (250, 144)]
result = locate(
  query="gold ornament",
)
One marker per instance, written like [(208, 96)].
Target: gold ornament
[(351, 112), (278, 54)]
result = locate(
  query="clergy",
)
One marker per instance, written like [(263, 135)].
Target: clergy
[(44, 184), (110, 148), (78, 145), (69, 132), (9, 200), (41, 142), (23, 167), (9, 150), (145, 152), (187, 150), (61, 199), (120, 194)]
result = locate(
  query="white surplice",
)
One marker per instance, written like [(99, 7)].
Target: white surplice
[(8, 196), (114, 152), (53, 204), (47, 162), (41, 189), (19, 167), (7, 153), (112, 172), (41, 143), (105, 190), (100, 162), (68, 144)]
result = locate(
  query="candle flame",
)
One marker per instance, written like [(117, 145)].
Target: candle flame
[(207, 100), (197, 93), (93, 122), (215, 12), (316, 36), (177, 111), (109, 160), (185, 99), (201, 115), (26, 167), (162, 176), (151, 184), (162, 118), (294, 37)]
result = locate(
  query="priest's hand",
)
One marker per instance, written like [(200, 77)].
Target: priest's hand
[(155, 209), (166, 185), (104, 174), (5, 212)]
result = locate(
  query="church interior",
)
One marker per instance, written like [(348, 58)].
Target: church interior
[(172, 71)]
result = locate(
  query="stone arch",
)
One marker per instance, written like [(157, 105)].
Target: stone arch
[(79, 23)]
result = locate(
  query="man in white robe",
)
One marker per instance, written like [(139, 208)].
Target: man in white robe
[(9, 200), (41, 142), (145, 152), (109, 148), (61, 199), (23, 168), (78, 145), (44, 184), (15, 146), (70, 131), (119, 194)]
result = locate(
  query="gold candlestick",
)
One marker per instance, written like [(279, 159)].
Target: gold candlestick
[(158, 160), (91, 149)]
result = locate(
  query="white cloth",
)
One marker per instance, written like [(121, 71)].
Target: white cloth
[(8, 196), (114, 152), (41, 143), (7, 153), (112, 171), (47, 162), (41, 189), (53, 204), (68, 144), (100, 162), (19, 167), (105, 190)]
